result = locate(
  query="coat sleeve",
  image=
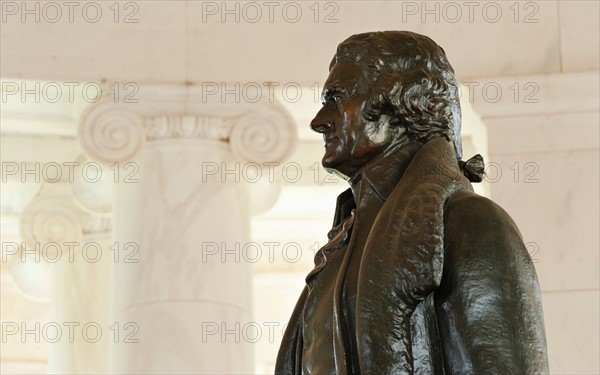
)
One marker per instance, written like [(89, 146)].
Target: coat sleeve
[(488, 304)]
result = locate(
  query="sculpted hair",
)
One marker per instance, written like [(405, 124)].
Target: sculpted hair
[(412, 83)]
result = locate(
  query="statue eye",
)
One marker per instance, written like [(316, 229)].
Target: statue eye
[(333, 96)]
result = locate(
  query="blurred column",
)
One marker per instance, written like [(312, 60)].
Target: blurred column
[(183, 170), (66, 259)]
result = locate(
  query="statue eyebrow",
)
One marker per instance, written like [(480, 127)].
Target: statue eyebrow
[(329, 92)]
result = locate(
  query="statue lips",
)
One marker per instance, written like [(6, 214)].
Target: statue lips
[(329, 139)]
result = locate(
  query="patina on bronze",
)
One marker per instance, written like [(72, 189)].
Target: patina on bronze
[(420, 274)]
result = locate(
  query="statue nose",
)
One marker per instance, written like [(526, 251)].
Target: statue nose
[(320, 126)]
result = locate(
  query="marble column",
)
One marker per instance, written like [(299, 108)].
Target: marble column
[(67, 253), (182, 301)]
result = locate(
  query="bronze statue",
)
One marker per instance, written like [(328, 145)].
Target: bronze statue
[(420, 274)]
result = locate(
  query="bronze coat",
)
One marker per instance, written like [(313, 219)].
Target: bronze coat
[(445, 285)]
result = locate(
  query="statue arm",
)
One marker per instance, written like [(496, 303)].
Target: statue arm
[(488, 304), (289, 355)]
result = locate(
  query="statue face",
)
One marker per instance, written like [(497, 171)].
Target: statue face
[(350, 141)]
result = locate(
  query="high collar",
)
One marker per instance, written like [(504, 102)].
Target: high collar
[(383, 173)]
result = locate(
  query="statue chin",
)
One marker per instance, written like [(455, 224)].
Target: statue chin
[(331, 166)]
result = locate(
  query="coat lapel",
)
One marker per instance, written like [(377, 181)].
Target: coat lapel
[(403, 259)]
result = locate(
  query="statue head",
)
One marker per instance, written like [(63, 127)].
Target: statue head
[(386, 89)]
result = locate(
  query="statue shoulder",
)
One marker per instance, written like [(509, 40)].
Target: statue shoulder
[(475, 227), (488, 293)]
